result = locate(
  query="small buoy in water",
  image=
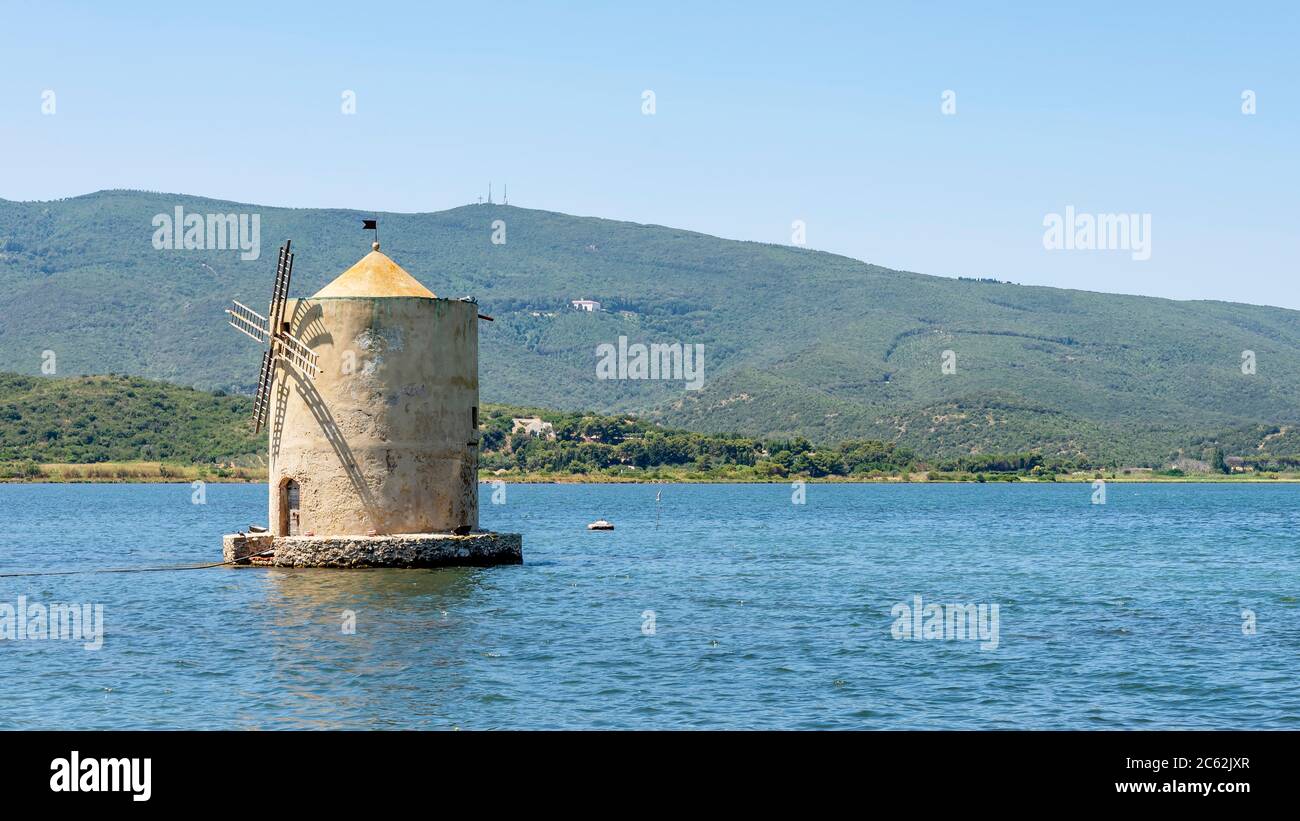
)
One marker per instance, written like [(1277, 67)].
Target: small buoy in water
[(600, 524)]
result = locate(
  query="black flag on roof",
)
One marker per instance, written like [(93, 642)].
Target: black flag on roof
[(370, 225)]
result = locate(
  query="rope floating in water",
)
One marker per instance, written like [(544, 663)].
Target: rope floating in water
[(133, 569)]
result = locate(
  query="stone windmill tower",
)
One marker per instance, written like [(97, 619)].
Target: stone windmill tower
[(369, 391)]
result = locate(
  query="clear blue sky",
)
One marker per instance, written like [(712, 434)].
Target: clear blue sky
[(766, 113)]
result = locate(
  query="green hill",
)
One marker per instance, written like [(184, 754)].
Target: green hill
[(120, 419), (797, 342), (123, 419)]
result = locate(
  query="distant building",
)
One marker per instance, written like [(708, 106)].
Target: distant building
[(586, 305), (533, 426)]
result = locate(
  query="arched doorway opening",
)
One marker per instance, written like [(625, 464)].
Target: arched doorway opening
[(290, 503)]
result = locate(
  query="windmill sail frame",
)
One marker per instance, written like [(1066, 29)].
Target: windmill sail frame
[(249, 322), (270, 331), (262, 403)]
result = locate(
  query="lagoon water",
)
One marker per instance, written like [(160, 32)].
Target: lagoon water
[(766, 614)]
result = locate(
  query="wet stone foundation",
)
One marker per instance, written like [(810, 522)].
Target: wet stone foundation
[(405, 550)]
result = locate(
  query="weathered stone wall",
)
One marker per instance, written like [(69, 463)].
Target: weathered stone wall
[(423, 550), (239, 546), (383, 439)]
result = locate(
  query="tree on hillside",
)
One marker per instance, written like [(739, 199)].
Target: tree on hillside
[(1218, 463)]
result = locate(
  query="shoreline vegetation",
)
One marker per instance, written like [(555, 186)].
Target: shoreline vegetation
[(127, 429), (1108, 378), (125, 472), (162, 473)]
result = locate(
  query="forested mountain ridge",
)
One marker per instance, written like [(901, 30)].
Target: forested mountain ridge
[(796, 342)]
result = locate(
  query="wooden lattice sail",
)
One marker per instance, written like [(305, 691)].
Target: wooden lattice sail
[(270, 331)]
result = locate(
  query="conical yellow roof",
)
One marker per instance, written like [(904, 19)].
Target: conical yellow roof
[(374, 276)]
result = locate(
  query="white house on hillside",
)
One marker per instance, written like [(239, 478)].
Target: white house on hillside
[(533, 426), (586, 305)]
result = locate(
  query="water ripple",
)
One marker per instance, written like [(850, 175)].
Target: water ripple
[(764, 614)]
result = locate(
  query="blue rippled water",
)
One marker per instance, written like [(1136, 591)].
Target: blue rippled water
[(766, 614)]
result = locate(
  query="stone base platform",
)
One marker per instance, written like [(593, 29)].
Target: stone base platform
[(480, 549)]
